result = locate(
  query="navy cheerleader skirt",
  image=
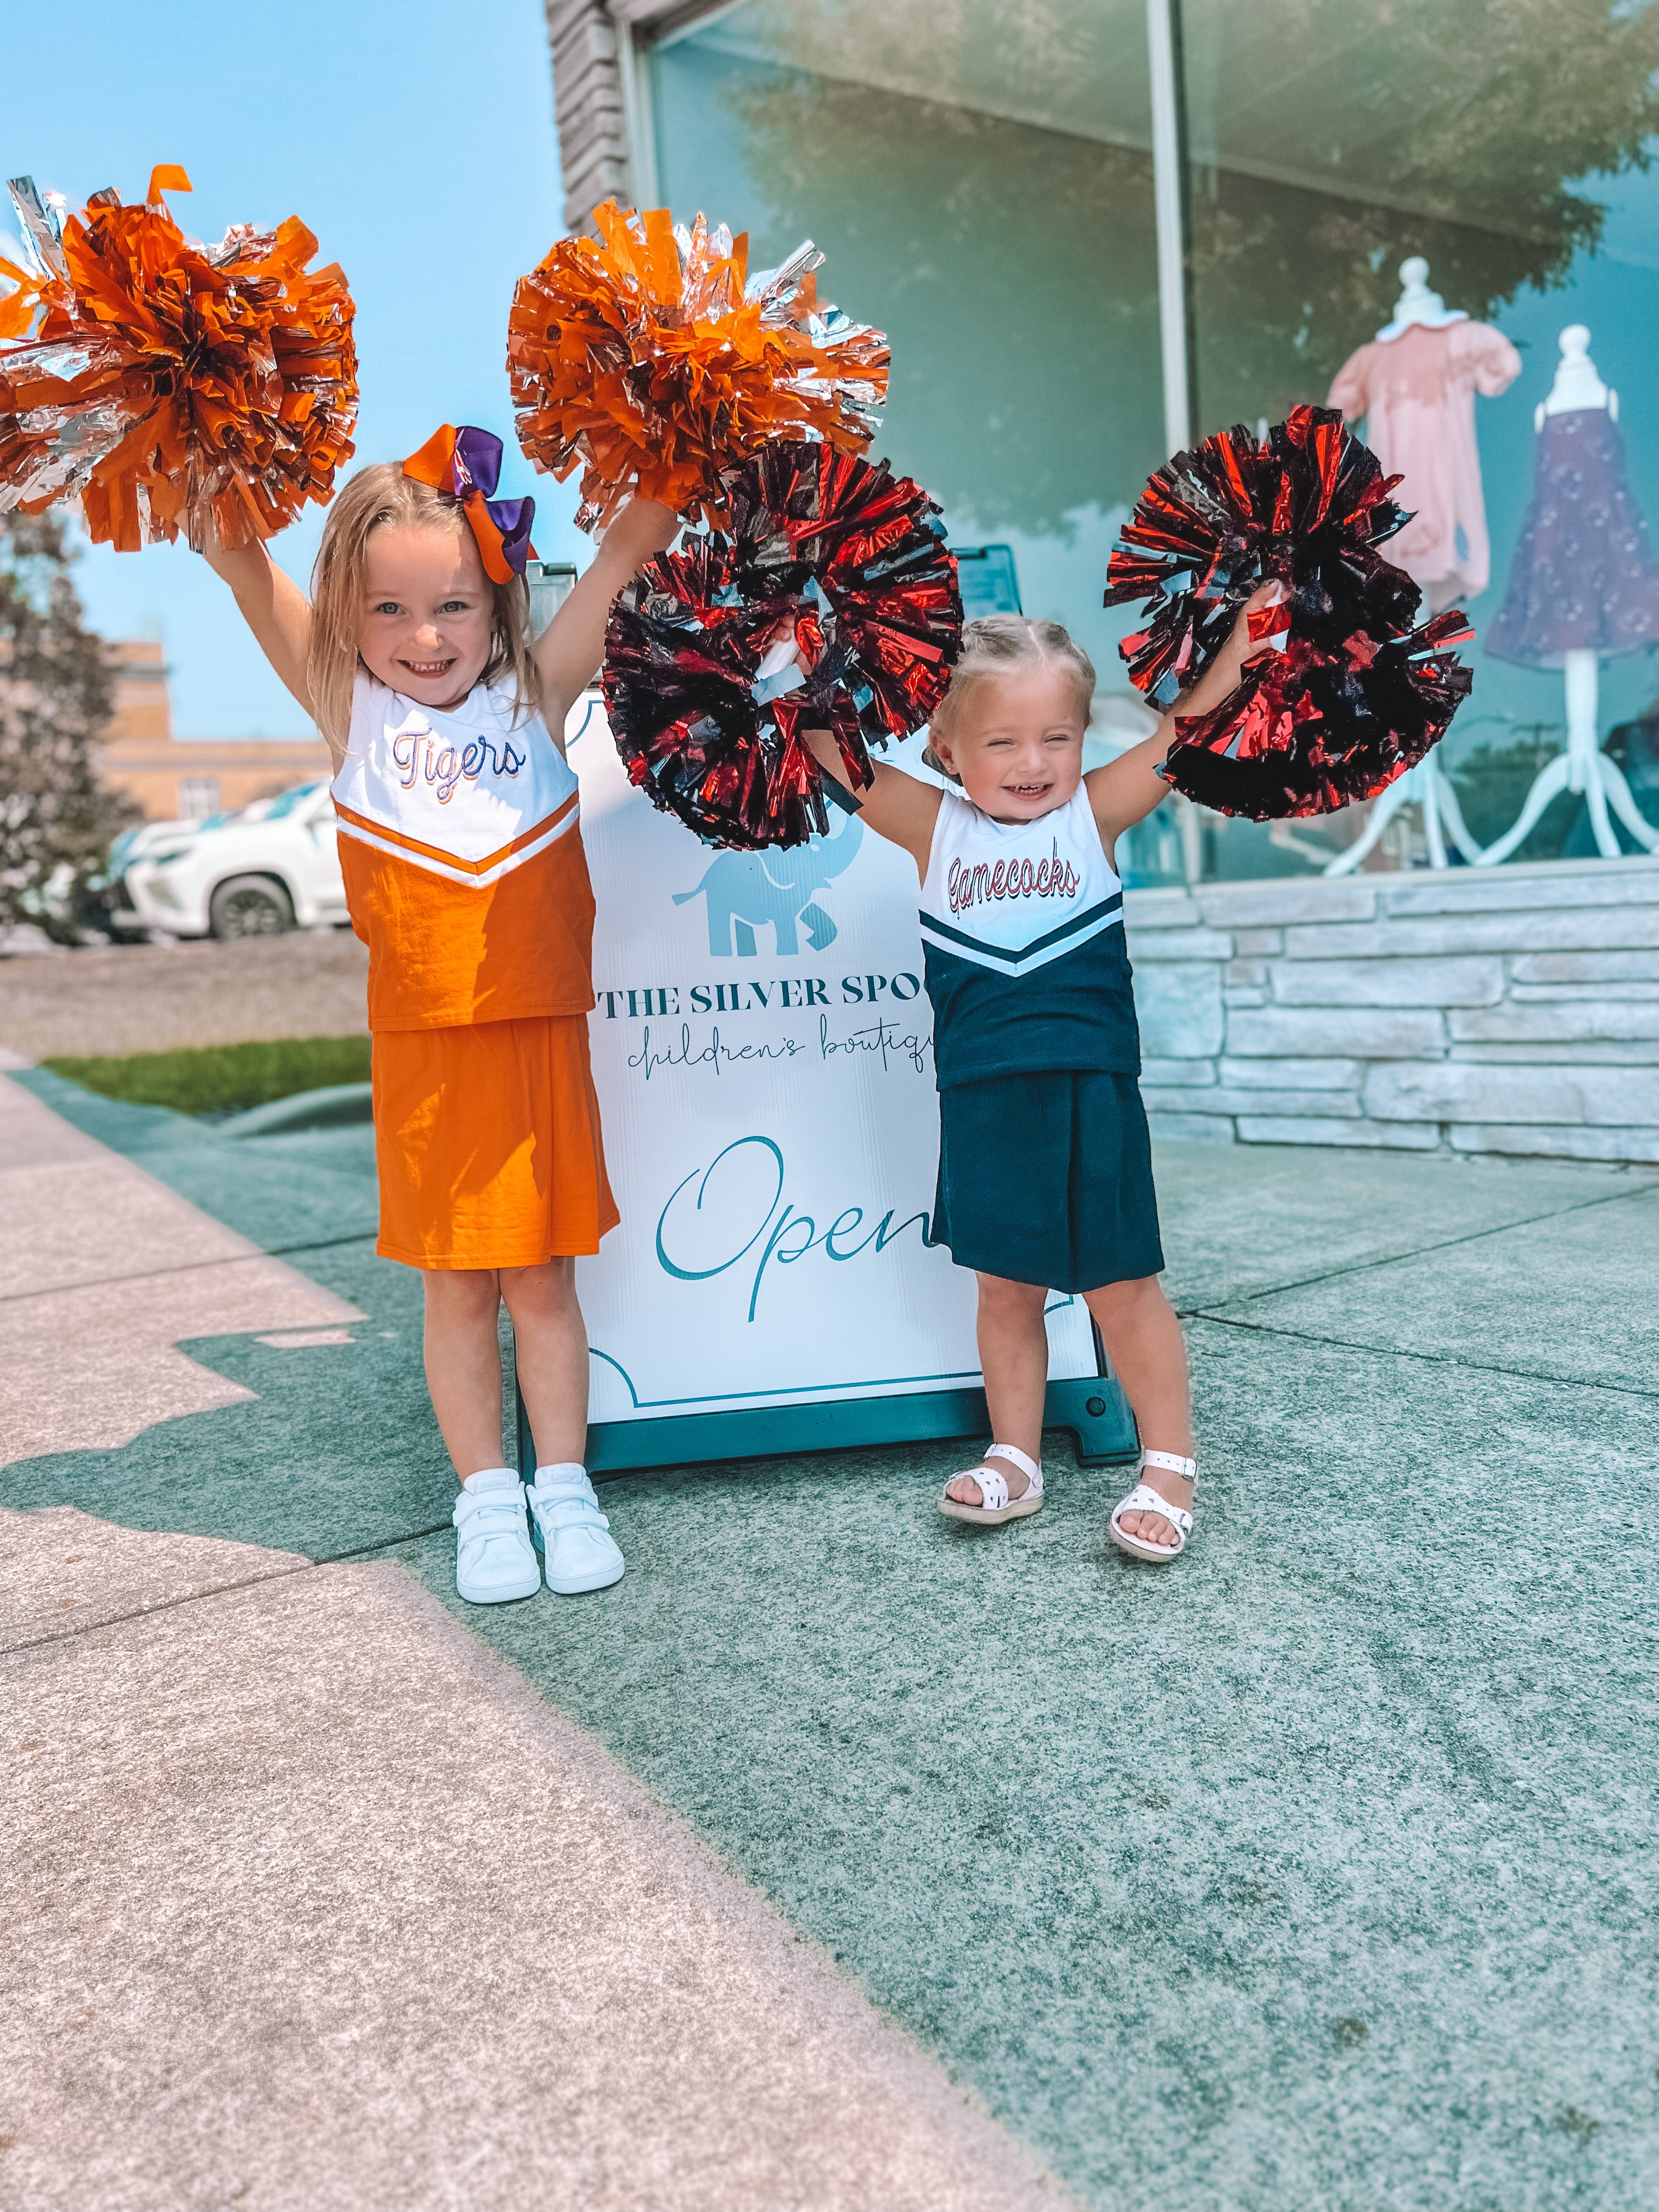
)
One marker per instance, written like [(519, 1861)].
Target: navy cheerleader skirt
[(1048, 1178)]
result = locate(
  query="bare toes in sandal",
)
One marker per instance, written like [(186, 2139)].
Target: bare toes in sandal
[(996, 1505), (1161, 1528)]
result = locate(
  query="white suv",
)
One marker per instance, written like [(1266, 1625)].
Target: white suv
[(272, 866)]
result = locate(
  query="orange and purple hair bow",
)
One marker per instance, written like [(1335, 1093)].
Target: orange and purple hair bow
[(467, 465)]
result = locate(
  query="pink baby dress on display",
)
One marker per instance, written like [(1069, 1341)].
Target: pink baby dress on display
[(1417, 391)]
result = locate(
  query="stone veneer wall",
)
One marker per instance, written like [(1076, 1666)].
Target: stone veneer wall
[(1512, 1011), (588, 107)]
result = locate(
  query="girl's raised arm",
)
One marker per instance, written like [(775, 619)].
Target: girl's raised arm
[(1127, 790), (899, 807), (570, 649), (274, 608)]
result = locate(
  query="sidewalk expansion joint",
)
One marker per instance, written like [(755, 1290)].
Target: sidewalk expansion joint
[(1408, 1352), (224, 1589), (163, 1605), (185, 1267), (1416, 1252), (388, 1544)]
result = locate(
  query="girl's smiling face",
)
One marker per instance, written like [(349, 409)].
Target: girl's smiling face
[(1015, 741), (429, 613)]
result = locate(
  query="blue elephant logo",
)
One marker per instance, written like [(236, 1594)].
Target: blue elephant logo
[(745, 891)]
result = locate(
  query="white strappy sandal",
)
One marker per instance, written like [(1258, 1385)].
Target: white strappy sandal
[(1143, 1500), (995, 1505)]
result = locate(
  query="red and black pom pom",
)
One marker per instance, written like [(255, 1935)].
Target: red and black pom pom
[(836, 553), (1355, 696)]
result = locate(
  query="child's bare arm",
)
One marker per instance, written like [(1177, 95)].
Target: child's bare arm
[(899, 807), (274, 608), (1127, 790), (569, 650)]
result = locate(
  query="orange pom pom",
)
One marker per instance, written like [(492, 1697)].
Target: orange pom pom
[(171, 385), (654, 359), (19, 304)]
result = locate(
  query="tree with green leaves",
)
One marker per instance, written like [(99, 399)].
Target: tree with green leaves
[(56, 819)]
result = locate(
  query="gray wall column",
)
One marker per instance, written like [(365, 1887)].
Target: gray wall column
[(589, 108)]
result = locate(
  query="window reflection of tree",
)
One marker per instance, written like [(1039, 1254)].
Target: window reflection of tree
[(1450, 128), (1014, 270), (1014, 267)]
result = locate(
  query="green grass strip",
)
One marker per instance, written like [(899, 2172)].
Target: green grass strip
[(223, 1079)]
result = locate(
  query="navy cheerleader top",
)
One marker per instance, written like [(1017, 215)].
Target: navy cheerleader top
[(1021, 932)]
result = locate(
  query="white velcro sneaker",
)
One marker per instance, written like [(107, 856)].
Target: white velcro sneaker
[(578, 1549), (494, 1559)]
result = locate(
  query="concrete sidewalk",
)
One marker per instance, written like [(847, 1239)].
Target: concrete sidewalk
[(864, 1862)]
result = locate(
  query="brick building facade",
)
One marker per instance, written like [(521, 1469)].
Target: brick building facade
[(178, 779)]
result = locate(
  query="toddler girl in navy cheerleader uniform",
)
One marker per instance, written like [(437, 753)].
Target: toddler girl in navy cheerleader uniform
[(1045, 1179)]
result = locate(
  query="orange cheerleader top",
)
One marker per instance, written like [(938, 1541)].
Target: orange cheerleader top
[(460, 844)]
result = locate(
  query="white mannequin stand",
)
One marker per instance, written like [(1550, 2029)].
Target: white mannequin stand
[(1584, 767), (1426, 785)]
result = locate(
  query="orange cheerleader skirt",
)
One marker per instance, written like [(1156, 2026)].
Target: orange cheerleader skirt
[(486, 1139)]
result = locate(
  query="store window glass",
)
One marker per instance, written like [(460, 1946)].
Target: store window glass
[(979, 174), (1506, 144)]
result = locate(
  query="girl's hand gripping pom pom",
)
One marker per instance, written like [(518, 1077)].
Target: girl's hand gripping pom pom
[(1341, 694), (652, 358), (832, 604), (171, 385)]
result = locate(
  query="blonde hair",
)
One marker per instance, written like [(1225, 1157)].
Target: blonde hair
[(378, 495), (1001, 645)]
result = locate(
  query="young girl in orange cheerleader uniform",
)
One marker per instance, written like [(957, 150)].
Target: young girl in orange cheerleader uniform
[(461, 848)]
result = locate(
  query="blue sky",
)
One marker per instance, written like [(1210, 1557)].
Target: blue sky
[(415, 140)]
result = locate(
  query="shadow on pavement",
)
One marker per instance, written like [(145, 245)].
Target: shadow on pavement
[(1318, 1870)]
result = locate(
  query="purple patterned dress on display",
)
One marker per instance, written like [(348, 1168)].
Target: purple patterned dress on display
[(1585, 576)]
